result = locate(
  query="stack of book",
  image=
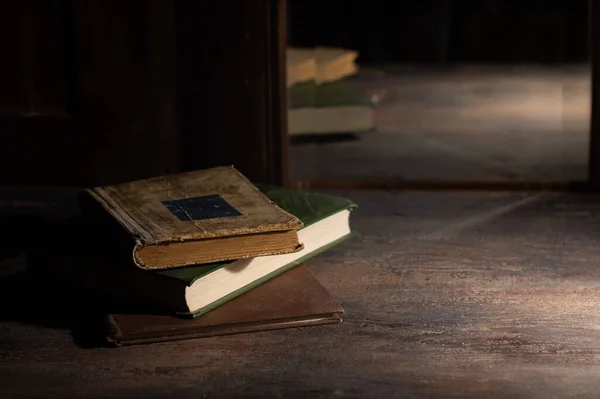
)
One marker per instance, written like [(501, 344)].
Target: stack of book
[(204, 253), (320, 100)]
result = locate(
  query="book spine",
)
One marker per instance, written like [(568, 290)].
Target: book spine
[(120, 213), (234, 329), (114, 334)]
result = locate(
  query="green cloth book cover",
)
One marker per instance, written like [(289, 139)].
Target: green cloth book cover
[(334, 94), (309, 207)]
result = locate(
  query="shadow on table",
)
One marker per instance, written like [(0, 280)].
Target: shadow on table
[(35, 221), (32, 292), (328, 138), (29, 295), (29, 299)]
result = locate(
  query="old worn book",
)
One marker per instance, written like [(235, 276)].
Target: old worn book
[(198, 217), (301, 66), (195, 290), (335, 63), (294, 299), (319, 64)]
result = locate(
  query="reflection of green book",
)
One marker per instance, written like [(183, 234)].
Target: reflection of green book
[(194, 290), (335, 107)]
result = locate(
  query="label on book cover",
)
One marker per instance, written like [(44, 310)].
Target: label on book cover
[(200, 208)]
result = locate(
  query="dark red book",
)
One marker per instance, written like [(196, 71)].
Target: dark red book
[(293, 299)]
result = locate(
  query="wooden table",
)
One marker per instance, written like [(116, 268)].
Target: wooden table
[(447, 295)]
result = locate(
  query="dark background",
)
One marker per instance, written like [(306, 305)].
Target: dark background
[(456, 31), (94, 92)]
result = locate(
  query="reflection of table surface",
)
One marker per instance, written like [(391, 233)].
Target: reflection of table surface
[(446, 295), (463, 123)]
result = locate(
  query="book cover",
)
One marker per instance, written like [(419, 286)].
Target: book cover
[(335, 107), (335, 94), (293, 299), (309, 206), (335, 63), (320, 64), (198, 217), (195, 290), (301, 66)]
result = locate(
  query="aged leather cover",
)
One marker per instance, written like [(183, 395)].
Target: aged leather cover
[(217, 203), (309, 207), (293, 299)]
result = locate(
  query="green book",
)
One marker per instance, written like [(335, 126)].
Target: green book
[(334, 94), (335, 107), (194, 290)]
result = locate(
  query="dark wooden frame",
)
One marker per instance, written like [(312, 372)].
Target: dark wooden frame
[(145, 87), (594, 153), (236, 112)]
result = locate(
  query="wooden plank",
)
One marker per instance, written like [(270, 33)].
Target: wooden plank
[(447, 295), (594, 160), (88, 92), (231, 82), (32, 76), (278, 164), (126, 88), (425, 185), (36, 121)]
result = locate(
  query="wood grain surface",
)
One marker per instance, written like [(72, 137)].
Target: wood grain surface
[(446, 295)]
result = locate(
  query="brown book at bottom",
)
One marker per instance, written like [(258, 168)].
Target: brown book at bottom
[(293, 299)]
